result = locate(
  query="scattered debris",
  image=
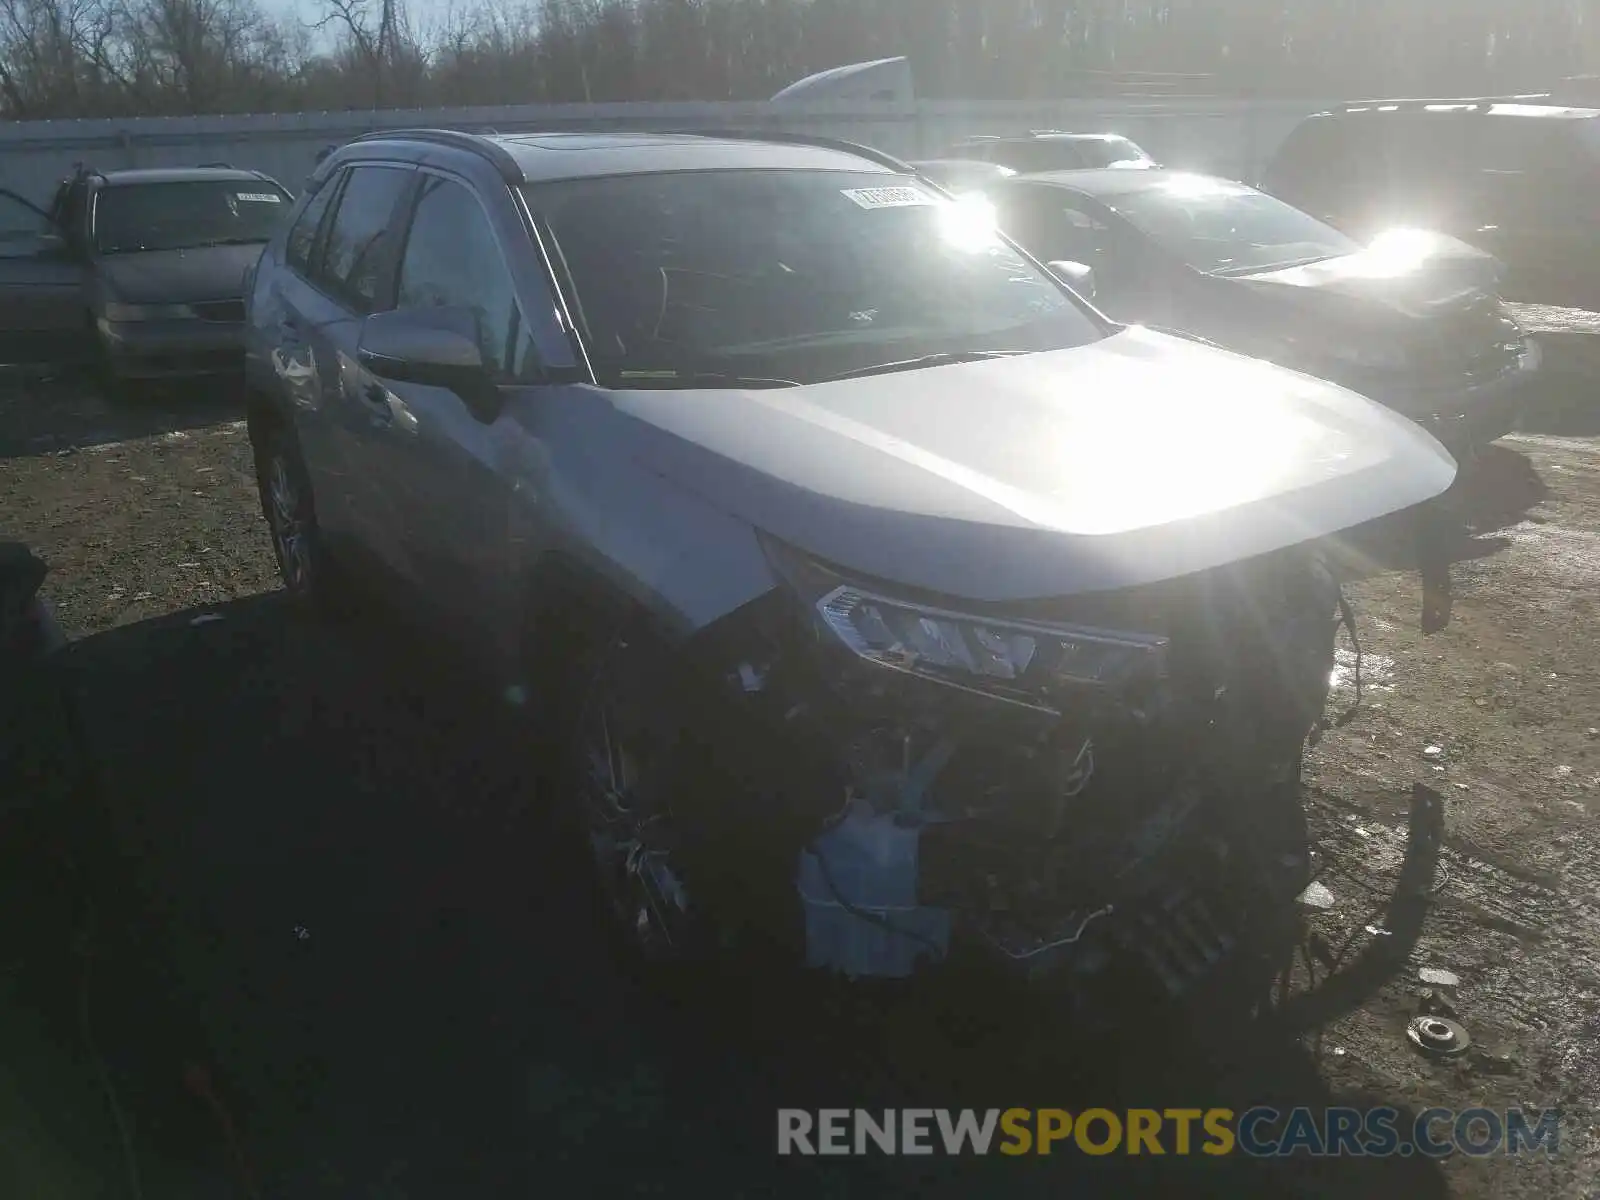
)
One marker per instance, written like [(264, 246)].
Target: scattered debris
[(1317, 895), (1379, 931), (1494, 1063), (1432, 751), (1436, 1003), (301, 933), (1438, 1036), (1439, 977)]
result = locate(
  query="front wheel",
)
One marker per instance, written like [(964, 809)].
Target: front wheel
[(619, 760)]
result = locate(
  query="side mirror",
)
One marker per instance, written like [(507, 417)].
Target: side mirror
[(436, 347), (1075, 275)]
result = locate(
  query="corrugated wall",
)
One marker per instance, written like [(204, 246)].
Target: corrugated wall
[(1223, 136)]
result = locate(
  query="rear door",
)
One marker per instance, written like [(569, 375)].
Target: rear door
[(1535, 192), (451, 468), (43, 317)]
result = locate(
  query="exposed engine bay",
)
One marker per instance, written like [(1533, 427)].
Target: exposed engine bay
[(1102, 783)]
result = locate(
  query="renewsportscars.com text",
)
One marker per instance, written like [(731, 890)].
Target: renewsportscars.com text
[(1260, 1132)]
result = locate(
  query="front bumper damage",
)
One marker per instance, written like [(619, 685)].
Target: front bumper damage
[(1138, 832)]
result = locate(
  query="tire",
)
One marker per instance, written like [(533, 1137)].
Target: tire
[(287, 504), (612, 748)]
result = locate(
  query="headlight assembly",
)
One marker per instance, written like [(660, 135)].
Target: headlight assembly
[(1012, 660)]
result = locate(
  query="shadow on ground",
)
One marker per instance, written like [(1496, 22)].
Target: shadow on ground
[(320, 882), (43, 412)]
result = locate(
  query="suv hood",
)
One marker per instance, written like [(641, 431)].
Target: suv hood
[(179, 276), (1134, 459), (1409, 273)]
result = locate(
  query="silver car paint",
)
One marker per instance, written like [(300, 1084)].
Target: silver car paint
[(1127, 461)]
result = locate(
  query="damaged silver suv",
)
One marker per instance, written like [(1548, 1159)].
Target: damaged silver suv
[(883, 603)]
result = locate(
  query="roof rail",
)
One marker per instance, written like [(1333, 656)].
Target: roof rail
[(226, 166), (1463, 101), (785, 137), (458, 139)]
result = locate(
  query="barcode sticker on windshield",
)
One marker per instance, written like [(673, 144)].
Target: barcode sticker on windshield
[(889, 197), (261, 197)]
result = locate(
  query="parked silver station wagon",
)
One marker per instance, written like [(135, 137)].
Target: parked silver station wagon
[(880, 602)]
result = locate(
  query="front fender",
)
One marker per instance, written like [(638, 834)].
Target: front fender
[(625, 528)]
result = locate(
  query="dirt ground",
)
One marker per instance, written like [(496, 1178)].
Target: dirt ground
[(323, 840)]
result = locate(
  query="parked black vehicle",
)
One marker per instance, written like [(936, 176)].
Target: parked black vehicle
[(1518, 177), (141, 271), (1411, 320), (1052, 150)]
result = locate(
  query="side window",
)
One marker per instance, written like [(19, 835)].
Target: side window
[(452, 260), (303, 236), (357, 254), (1313, 159), (1040, 154), (24, 230)]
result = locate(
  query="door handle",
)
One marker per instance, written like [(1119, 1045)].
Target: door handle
[(376, 398)]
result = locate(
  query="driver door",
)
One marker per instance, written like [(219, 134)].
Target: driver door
[(1053, 224), (43, 315)]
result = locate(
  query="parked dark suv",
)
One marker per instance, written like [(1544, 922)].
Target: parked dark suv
[(1518, 178), (880, 602), (140, 271)]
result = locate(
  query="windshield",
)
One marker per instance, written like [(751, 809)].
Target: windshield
[(130, 217), (802, 275), (1228, 229)]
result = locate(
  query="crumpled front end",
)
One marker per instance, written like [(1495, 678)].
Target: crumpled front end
[(1100, 787)]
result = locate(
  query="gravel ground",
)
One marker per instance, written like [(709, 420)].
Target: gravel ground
[(423, 1012)]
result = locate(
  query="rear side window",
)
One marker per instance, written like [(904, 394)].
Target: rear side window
[(357, 256), (1315, 153), (1040, 155)]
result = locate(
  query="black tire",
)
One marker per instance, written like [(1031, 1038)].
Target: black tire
[(289, 507)]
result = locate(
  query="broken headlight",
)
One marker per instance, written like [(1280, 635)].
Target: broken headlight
[(1022, 662)]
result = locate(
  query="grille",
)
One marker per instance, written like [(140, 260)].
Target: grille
[(220, 310)]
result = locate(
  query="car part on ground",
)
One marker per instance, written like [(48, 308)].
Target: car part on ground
[(1412, 320), (840, 659)]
